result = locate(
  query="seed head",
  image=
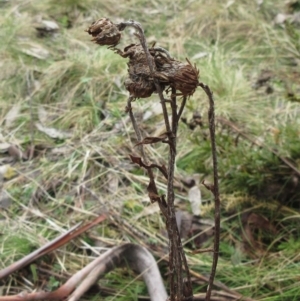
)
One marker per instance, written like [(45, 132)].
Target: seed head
[(104, 32)]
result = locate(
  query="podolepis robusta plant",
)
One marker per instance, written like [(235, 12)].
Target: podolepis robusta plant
[(153, 70)]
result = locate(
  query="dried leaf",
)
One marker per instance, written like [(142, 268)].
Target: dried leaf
[(252, 222), (139, 161), (152, 192), (46, 27), (35, 50), (136, 160), (184, 223), (150, 140), (195, 199), (164, 171), (261, 222), (63, 150), (12, 115), (52, 132)]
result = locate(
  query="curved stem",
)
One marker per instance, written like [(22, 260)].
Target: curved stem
[(215, 188)]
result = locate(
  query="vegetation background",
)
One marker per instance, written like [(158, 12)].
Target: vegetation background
[(65, 140)]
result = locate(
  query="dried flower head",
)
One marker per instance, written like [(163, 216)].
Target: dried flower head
[(182, 77), (104, 32), (185, 79), (140, 82), (139, 88)]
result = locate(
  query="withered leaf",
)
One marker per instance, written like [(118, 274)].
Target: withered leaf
[(195, 199), (251, 223), (150, 140), (152, 191), (139, 161), (261, 222), (164, 171), (136, 160)]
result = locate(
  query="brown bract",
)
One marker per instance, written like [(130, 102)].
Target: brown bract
[(104, 32), (140, 82)]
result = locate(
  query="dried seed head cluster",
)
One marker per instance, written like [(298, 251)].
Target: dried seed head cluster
[(104, 32), (182, 77), (169, 72), (140, 82), (178, 75)]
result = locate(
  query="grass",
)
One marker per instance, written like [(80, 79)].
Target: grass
[(77, 88)]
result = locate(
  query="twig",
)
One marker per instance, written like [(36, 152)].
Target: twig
[(215, 188)]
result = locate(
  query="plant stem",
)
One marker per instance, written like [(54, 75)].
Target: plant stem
[(215, 188), (176, 253)]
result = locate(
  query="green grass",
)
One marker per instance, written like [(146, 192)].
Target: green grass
[(77, 88)]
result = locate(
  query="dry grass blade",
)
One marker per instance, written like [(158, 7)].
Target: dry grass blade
[(137, 257), (51, 246)]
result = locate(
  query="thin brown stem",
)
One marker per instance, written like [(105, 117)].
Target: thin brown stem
[(187, 291), (215, 188), (183, 103), (161, 201), (135, 127)]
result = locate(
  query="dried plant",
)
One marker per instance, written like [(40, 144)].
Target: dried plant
[(153, 70)]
